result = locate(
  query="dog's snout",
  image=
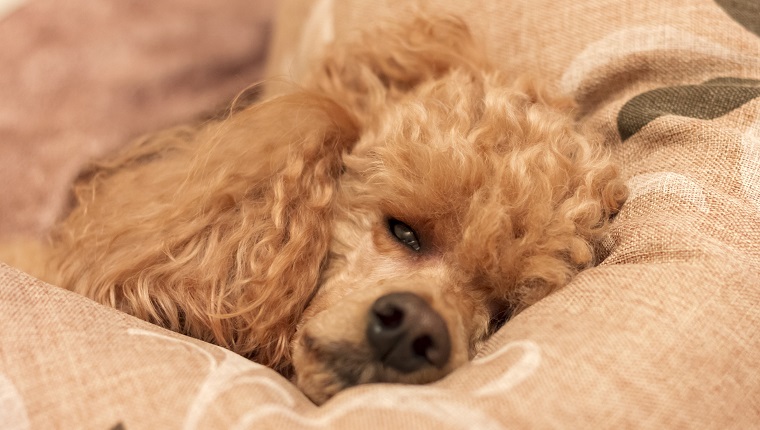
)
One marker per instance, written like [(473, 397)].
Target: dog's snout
[(407, 334)]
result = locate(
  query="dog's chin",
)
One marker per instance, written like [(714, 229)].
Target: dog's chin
[(322, 369)]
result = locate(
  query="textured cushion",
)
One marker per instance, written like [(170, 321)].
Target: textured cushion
[(663, 334)]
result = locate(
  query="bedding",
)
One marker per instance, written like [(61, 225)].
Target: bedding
[(79, 78)]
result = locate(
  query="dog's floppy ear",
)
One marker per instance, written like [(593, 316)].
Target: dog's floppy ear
[(217, 232), (393, 58)]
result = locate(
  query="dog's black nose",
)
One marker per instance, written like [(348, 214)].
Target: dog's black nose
[(407, 334)]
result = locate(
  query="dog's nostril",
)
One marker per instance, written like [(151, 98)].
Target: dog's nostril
[(421, 345), (406, 334), (389, 316)]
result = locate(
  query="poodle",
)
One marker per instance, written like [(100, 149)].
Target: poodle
[(375, 224)]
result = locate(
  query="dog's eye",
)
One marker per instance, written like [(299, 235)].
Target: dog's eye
[(404, 234)]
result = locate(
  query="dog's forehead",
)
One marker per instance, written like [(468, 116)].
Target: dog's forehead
[(426, 144), (457, 115)]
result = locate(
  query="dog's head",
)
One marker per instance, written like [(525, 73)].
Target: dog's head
[(467, 197), (376, 225)]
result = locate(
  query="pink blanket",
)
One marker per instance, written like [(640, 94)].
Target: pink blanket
[(79, 78)]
